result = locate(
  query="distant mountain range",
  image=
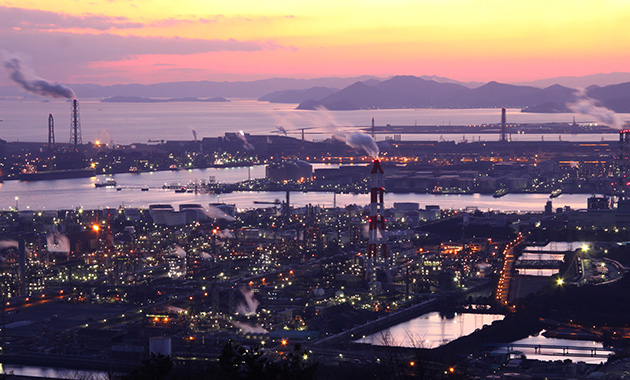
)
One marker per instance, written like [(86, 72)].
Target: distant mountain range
[(210, 89), (416, 92), (367, 92), (580, 82), (200, 89)]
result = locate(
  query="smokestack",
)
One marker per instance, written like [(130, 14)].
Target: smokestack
[(373, 131), (22, 266), (51, 133), (376, 220), (75, 132), (503, 121), (287, 206)]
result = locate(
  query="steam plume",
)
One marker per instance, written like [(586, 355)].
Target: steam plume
[(34, 84), (179, 251), (246, 144), (359, 140), (8, 243), (216, 213), (356, 140), (588, 106), (14, 244), (247, 328), (225, 234), (281, 129), (107, 138), (250, 305), (57, 242)]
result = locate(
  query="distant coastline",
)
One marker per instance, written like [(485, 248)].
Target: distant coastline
[(138, 99)]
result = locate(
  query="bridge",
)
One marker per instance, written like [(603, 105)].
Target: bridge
[(556, 349)]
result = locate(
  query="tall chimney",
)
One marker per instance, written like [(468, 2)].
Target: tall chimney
[(75, 132), (373, 131), (51, 133), (503, 126)]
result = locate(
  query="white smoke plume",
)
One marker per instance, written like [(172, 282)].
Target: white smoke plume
[(8, 244), (249, 329), (281, 129), (293, 121), (588, 106), (250, 305), (358, 141), (175, 309), (225, 234), (246, 144), (216, 213), (30, 82), (354, 139), (57, 243), (106, 138), (179, 251), (11, 244)]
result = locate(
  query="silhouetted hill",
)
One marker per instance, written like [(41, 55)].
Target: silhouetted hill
[(200, 89), (616, 96), (600, 79), (416, 92), (357, 95), (555, 93), (410, 91), (494, 94), (297, 96)]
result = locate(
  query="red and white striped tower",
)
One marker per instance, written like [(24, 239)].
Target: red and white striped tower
[(376, 220)]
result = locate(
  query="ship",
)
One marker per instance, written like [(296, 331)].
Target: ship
[(109, 182), (556, 193), (275, 202), (57, 174), (499, 193)]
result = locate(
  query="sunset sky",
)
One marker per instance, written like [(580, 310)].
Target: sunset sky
[(150, 41)]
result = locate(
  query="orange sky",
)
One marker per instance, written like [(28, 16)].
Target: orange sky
[(148, 41)]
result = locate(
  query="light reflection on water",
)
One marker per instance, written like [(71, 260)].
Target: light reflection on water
[(556, 354), (127, 123), (430, 330), (76, 192), (53, 373)]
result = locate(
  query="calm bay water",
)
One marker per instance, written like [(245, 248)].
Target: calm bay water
[(433, 330), (430, 330), (556, 353), (49, 372), (80, 192), (127, 123)]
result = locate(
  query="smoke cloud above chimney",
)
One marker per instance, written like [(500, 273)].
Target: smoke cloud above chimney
[(30, 82)]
